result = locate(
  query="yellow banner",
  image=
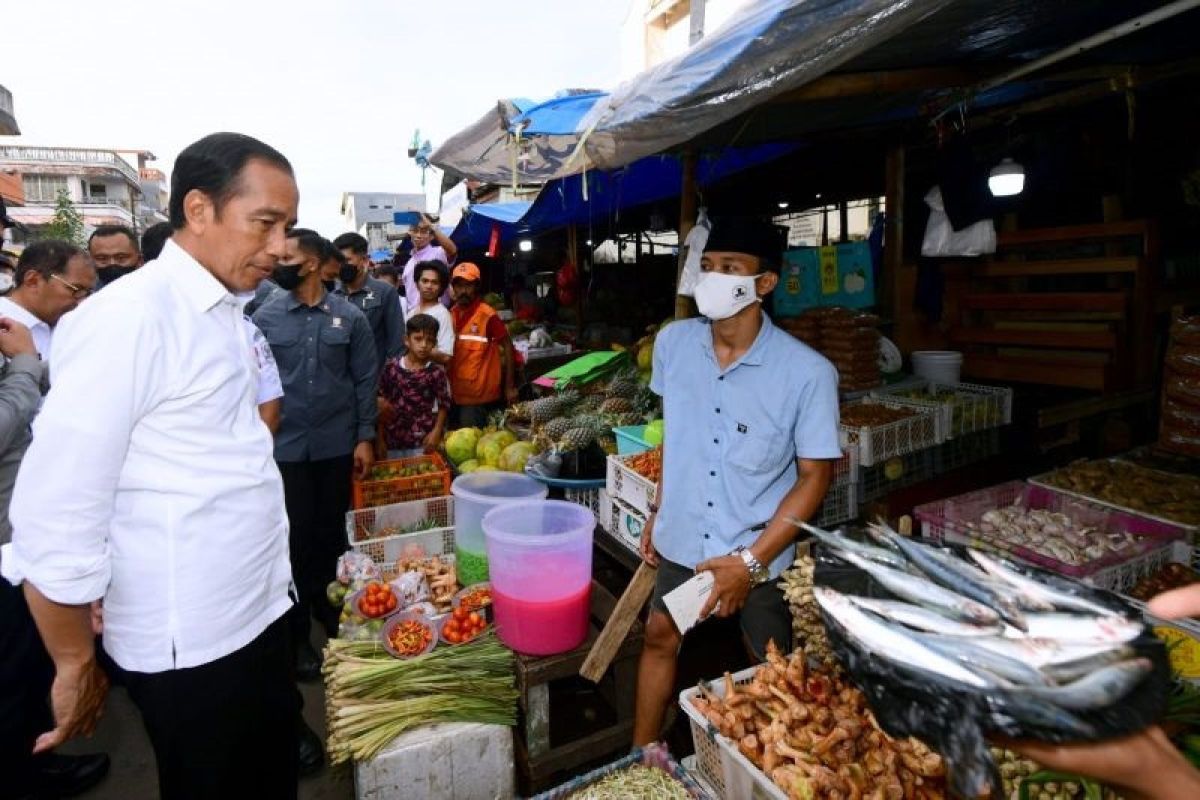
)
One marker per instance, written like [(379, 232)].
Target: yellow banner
[(829, 270)]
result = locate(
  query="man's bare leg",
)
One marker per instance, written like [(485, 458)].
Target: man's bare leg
[(656, 677)]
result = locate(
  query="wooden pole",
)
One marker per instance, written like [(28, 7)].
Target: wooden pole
[(687, 220), (893, 239)]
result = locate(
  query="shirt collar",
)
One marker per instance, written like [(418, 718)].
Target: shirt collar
[(322, 304), (11, 308), (199, 285), (752, 357)]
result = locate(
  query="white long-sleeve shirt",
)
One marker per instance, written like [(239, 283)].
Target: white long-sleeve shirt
[(150, 481)]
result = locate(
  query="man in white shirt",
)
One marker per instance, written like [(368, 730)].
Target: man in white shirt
[(52, 278), (172, 510), (432, 278)]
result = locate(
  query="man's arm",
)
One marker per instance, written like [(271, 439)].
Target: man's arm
[(364, 372), (444, 241), (800, 503), (444, 353), (20, 389), (271, 411)]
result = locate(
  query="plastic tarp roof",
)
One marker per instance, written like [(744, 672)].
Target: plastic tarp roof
[(562, 202), (532, 139)]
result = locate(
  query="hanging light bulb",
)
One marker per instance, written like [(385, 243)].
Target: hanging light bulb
[(525, 245), (783, 204), (1007, 178)]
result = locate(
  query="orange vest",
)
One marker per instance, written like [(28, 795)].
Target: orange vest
[(475, 370)]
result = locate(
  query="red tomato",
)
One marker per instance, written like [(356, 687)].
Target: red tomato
[(460, 614), (474, 618), (453, 638)]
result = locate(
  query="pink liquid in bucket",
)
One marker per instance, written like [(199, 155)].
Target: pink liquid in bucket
[(540, 559)]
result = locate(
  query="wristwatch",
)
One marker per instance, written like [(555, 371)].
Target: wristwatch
[(758, 573)]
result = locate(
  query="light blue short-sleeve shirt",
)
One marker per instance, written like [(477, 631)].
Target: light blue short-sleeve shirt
[(733, 436)]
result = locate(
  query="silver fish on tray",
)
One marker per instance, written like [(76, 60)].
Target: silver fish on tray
[(891, 643), (922, 618), (1079, 629), (840, 541), (1034, 588), (973, 655), (952, 573), (1065, 671), (924, 592), (1098, 690)]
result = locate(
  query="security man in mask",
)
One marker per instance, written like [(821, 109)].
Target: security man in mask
[(751, 438), (377, 299)]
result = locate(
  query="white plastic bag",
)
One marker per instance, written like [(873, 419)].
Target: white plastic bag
[(942, 240), (695, 242)]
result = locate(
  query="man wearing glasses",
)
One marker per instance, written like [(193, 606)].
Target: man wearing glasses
[(428, 244), (52, 278)]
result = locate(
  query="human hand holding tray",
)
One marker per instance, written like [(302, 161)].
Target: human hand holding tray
[(930, 685)]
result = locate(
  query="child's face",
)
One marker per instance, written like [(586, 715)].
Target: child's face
[(421, 345), (429, 286)]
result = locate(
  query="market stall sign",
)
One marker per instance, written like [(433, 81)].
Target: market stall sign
[(837, 275)]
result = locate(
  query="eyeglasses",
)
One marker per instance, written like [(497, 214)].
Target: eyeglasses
[(78, 292)]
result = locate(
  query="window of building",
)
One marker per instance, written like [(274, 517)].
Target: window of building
[(43, 188), (98, 190), (373, 206)]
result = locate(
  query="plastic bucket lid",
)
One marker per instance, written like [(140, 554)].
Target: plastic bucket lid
[(938, 356), (491, 488), (560, 523)]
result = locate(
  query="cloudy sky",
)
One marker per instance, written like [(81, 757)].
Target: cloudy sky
[(337, 85)]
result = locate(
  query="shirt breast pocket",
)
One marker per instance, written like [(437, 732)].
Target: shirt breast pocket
[(335, 344), (758, 453)]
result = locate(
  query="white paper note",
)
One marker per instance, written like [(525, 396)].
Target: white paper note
[(685, 602)]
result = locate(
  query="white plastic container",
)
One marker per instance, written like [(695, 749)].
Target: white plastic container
[(941, 366)]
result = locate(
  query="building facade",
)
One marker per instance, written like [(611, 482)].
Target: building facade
[(372, 214), (104, 185), (657, 30), (8, 115)]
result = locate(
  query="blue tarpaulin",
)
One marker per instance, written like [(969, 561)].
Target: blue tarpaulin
[(562, 202)]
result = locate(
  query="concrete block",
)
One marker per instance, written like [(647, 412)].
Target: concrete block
[(452, 761)]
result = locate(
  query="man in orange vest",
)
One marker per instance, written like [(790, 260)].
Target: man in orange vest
[(481, 373)]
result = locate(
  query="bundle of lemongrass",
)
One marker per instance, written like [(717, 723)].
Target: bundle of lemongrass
[(371, 697)]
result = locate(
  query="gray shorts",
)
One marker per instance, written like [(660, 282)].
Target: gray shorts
[(764, 617)]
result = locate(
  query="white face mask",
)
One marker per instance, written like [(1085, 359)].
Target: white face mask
[(720, 296), (6, 283)]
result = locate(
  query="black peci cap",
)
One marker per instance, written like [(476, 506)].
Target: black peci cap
[(748, 235)]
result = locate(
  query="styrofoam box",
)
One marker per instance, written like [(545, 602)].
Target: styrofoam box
[(449, 761), (629, 487), (621, 522)]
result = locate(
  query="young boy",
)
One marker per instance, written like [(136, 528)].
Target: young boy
[(432, 280), (417, 391)]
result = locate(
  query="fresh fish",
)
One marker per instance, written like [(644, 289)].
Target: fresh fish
[(923, 592), (1047, 653), (1032, 711), (1080, 629), (970, 654), (921, 618), (1098, 690), (839, 541), (1033, 588), (956, 576), (1065, 671), (892, 643)]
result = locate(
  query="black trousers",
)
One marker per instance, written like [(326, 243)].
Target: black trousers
[(227, 728), (26, 673), (317, 494)]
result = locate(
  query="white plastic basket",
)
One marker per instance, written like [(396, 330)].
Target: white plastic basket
[(962, 408), (376, 531), (626, 485), (1123, 577), (878, 443), (718, 760), (840, 505), (621, 522), (588, 498)]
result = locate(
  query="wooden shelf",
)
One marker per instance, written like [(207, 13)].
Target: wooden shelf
[(1047, 301), (1078, 266), (1057, 373), (1080, 340)]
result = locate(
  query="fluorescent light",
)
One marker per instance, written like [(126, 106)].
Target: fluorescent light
[(783, 204), (525, 245), (818, 195), (589, 242), (1007, 178)]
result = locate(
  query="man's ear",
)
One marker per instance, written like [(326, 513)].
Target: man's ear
[(767, 283)]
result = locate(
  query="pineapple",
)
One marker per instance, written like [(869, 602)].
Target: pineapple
[(622, 386), (616, 405), (496, 420), (630, 418), (608, 444), (589, 404), (547, 408), (647, 402), (592, 422), (518, 412), (557, 428), (575, 439)]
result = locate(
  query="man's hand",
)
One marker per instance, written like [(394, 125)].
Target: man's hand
[(385, 410), (646, 546), (731, 584), (1177, 603), (364, 459), (432, 441), (15, 339), (77, 699)]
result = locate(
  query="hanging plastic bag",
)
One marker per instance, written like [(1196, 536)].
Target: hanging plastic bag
[(693, 246), (942, 240)]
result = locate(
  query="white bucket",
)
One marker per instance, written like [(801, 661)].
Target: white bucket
[(939, 366)]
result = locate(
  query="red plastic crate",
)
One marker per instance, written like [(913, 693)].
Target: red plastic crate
[(386, 491)]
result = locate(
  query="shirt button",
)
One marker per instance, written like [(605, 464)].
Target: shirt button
[(721, 378), (718, 411), (712, 474), (706, 536), (710, 504), (716, 441)]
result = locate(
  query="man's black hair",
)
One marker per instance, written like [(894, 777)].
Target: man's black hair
[(331, 253), (422, 323), (443, 274), (387, 269), (47, 257), (214, 165), (353, 242), (154, 239), (309, 241), (104, 231)]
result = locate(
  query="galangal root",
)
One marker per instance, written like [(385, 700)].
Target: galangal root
[(813, 734)]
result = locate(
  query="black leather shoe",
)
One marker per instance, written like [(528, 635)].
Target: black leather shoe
[(312, 749), (66, 776), (308, 663)]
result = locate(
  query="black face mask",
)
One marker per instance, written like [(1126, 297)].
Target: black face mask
[(109, 274), (287, 276), (329, 285), (348, 273)]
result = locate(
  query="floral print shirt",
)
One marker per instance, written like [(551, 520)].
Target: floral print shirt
[(415, 396)]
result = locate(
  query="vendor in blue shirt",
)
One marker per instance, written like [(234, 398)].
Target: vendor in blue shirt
[(751, 438)]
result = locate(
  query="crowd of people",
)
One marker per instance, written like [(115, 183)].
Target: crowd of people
[(181, 417)]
